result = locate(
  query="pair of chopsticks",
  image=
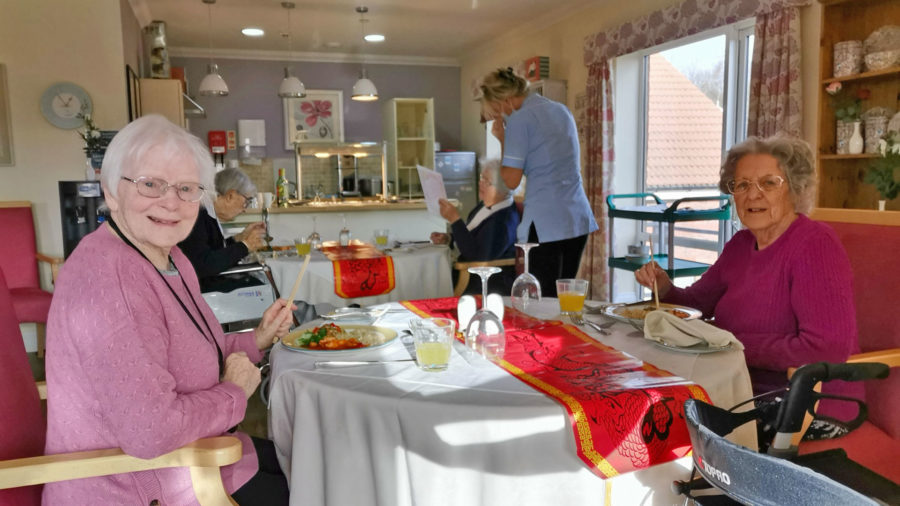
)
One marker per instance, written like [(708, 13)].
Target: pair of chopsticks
[(655, 288), (290, 299)]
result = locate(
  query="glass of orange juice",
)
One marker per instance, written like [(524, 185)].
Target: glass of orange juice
[(381, 237), (571, 293)]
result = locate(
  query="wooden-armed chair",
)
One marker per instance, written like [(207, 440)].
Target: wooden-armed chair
[(876, 443), (24, 468), (18, 261)]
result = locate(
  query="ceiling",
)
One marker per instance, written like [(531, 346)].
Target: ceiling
[(441, 30)]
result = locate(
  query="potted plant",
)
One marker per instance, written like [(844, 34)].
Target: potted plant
[(847, 112), (882, 172)]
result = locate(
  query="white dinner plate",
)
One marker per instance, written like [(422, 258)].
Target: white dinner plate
[(360, 315), (621, 312), (389, 336), (703, 347)]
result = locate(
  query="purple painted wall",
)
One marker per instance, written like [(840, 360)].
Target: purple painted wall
[(253, 87)]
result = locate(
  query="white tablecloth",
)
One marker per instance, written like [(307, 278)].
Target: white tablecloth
[(419, 273), (393, 435)]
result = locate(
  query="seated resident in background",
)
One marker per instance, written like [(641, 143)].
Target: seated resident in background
[(206, 247), (135, 357), (782, 285), (490, 231)]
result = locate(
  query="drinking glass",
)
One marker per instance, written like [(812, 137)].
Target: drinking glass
[(381, 237), (302, 245), (314, 239), (432, 338), (485, 334), (344, 235), (571, 293), (526, 289)]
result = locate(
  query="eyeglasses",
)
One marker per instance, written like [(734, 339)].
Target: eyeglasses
[(248, 201), (765, 184), (154, 188)]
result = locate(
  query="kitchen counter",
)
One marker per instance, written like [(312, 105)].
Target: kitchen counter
[(345, 206), (406, 220)]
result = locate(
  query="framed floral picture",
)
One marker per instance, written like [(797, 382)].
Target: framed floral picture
[(317, 117)]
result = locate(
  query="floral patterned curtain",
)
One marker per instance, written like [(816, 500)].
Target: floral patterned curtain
[(675, 22), (597, 136), (775, 75)]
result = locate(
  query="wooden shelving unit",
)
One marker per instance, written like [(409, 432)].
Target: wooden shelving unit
[(842, 196), (409, 133)]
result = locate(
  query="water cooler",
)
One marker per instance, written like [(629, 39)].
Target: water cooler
[(79, 208)]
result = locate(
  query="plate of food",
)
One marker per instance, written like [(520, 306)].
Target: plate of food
[(635, 312), (332, 339), (702, 347)]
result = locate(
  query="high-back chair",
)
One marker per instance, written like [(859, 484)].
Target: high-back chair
[(24, 468), (876, 444), (18, 261)]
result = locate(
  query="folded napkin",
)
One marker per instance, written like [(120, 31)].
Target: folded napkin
[(662, 326)]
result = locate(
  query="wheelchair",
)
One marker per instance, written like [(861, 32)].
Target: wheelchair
[(780, 477)]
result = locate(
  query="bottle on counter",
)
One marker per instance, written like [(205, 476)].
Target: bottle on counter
[(281, 189)]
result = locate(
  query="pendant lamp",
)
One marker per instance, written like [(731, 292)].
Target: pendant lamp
[(291, 87), (364, 90), (212, 85)]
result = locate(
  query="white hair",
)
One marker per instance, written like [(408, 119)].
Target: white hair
[(126, 152)]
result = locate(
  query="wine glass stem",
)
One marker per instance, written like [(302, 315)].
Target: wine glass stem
[(525, 254), (484, 293)]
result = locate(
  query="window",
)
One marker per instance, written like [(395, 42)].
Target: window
[(691, 107)]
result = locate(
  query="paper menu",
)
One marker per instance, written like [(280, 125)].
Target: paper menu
[(433, 188)]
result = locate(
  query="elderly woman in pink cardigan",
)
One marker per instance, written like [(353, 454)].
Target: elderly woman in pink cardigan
[(135, 357), (782, 286)]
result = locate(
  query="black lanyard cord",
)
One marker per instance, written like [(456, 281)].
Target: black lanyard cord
[(209, 337)]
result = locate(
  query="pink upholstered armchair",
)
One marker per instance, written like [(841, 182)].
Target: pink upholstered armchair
[(23, 465), (875, 279), (18, 261)]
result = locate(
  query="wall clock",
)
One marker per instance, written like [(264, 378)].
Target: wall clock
[(62, 102)]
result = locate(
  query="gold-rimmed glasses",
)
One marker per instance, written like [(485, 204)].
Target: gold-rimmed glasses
[(764, 184), (155, 187)]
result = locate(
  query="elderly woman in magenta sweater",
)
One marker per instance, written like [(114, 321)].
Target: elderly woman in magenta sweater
[(782, 286), (135, 357)]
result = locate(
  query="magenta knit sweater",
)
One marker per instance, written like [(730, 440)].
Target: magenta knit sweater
[(127, 368), (789, 304)]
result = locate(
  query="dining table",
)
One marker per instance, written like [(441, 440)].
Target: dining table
[(421, 270), (391, 434)]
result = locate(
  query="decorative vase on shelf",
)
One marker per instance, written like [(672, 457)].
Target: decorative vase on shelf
[(844, 131), (881, 204), (89, 174), (856, 143)]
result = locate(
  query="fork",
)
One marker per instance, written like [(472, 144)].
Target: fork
[(581, 322)]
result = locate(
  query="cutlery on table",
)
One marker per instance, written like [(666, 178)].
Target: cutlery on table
[(581, 322), (349, 363)]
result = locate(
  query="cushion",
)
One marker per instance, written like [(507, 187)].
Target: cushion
[(31, 304), (17, 254), (875, 282), (868, 445), (22, 424)]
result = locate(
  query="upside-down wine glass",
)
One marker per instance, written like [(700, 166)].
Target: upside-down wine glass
[(526, 289), (314, 239), (485, 334)]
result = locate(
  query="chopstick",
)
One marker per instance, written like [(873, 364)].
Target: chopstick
[(290, 299), (655, 288)]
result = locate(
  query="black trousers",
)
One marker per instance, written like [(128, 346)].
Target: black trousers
[(554, 260), (268, 487)]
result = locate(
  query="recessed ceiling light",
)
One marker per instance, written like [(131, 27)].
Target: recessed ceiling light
[(253, 32), (374, 37)]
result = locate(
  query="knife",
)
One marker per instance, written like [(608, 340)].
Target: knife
[(349, 363)]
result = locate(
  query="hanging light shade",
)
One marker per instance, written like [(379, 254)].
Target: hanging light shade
[(364, 90), (212, 85), (291, 87)]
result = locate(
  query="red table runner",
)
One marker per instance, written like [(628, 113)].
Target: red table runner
[(360, 270), (625, 414)]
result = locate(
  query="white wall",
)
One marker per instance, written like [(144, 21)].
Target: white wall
[(41, 43)]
